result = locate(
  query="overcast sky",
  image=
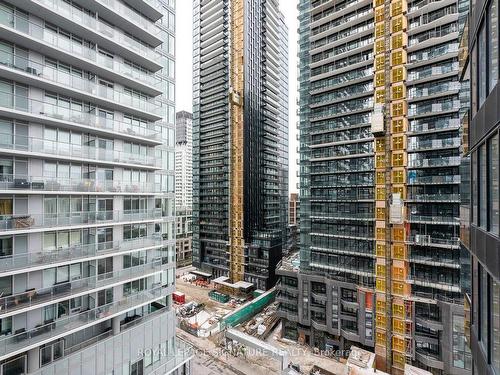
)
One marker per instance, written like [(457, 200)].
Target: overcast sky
[(184, 35)]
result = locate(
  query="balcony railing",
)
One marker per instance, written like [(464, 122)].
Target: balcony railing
[(76, 114), (429, 240), (50, 220), (433, 179), (433, 71), (33, 336), (433, 144), (438, 219), (80, 83), (41, 184), (132, 15), (44, 146), (452, 123), (435, 162), (45, 36), (434, 197), (35, 297), (73, 252)]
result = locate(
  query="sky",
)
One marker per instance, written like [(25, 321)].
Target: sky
[(184, 56)]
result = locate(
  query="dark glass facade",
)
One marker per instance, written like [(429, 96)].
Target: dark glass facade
[(265, 139), (481, 226)]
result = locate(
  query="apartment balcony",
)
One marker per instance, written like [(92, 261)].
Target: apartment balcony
[(34, 36), (428, 240), (441, 89), (366, 216), (23, 184), (434, 219), (76, 118), (96, 30), (32, 73), (435, 126), (436, 261), (39, 222), (414, 144), (427, 281), (447, 161), (34, 298), (428, 358), (74, 356), (433, 72), (26, 340), (150, 8), (37, 147), (433, 180), (30, 261), (454, 198), (428, 109)]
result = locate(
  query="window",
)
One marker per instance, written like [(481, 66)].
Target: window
[(482, 68), (494, 185), (492, 44), (483, 313), (461, 352), (5, 286), (483, 187), (104, 297), (137, 368), (474, 198), (5, 246), (495, 355)]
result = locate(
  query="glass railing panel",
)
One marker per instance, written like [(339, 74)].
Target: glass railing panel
[(22, 339), (73, 252)]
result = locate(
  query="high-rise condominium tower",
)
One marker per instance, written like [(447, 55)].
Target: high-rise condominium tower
[(240, 138), (184, 187), (87, 117), (379, 151)]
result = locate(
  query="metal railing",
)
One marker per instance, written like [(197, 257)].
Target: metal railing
[(61, 326), (76, 114), (74, 252), (24, 182), (39, 296), (44, 146), (50, 220), (45, 36), (78, 82)]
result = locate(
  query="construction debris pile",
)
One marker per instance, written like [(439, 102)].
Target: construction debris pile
[(261, 325)]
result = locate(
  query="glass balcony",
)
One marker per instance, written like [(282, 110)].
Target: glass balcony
[(431, 108), (74, 252), (33, 221), (428, 240), (73, 115), (60, 327), (439, 124), (434, 197), (433, 71), (45, 36), (41, 184), (412, 180), (433, 52), (434, 162), (80, 83), (434, 219), (35, 297), (38, 145), (132, 16), (432, 89), (432, 144)]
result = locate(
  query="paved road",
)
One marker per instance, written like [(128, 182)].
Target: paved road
[(203, 364)]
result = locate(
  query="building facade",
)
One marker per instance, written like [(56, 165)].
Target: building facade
[(183, 160), (480, 233), (240, 139), (379, 185), (87, 229), (184, 188), (293, 209)]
